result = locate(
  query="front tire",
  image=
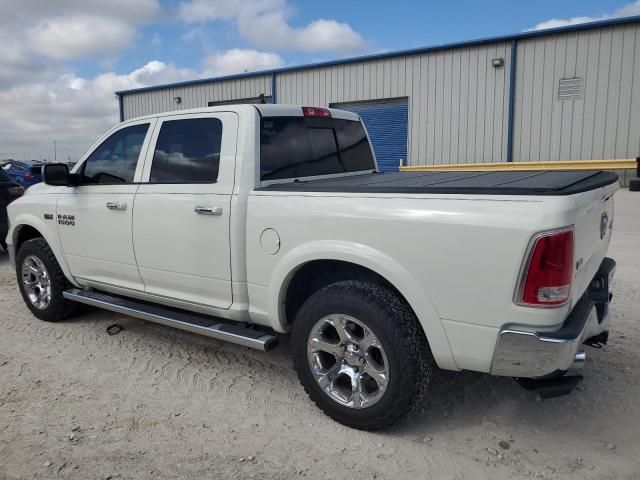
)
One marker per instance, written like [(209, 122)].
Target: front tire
[(361, 354), (41, 281)]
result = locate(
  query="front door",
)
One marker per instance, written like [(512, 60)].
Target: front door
[(94, 218), (181, 218)]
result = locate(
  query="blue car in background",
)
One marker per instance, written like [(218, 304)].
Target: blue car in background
[(26, 173)]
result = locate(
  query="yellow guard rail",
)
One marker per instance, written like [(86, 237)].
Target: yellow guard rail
[(620, 164)]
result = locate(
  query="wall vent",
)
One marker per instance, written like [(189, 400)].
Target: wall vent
[(570, 88)]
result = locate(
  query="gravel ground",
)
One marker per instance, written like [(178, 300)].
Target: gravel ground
[(153, 402)]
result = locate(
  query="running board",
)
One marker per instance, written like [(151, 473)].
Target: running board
[(191, 322)]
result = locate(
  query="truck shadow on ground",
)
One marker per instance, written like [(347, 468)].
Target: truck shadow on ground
[(454, 400)]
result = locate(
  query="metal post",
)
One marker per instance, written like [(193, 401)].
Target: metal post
[(638, 167), (512, 93), (120, 106), (274, 98)]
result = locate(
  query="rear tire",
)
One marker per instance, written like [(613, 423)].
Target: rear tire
[(41, 281), (361, 354), (634, 185)]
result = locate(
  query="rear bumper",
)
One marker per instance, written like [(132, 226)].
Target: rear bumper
[(528, 354)]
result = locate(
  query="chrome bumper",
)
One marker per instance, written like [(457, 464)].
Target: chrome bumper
[(12, 255), (529, 354)]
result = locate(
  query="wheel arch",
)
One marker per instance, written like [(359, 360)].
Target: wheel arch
[(345, 260), (26, 228)]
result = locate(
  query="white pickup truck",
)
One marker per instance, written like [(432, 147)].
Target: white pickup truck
[(246, 222)]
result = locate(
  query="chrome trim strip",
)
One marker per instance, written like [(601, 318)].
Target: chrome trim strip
[(162, 316)]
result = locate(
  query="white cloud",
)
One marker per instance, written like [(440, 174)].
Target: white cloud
[(44, 99), (626, 11), (272, 30), (198, 11), (41, 100), (75, 111), (34, 10), (239, 60), (265, 23), (76, 36)]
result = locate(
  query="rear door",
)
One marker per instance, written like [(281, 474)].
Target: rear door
[(183, 209), (94, 219)]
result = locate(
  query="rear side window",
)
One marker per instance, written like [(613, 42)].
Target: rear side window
[(293, 147), (115, 160), (187, 151)]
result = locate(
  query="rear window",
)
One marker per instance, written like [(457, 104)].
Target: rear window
[(187, 151), (293, 147)]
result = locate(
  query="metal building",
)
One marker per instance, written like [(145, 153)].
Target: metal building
[(569, 93)]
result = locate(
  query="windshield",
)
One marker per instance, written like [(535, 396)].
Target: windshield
[(292, 147)]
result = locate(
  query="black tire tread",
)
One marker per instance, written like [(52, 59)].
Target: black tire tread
[(403, 328), (60, 308)]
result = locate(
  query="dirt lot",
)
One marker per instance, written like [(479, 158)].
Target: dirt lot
[(152, 402)]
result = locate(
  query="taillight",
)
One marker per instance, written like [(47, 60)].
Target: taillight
[(15, 191), (546, 280), (28, 176), (316, 112)]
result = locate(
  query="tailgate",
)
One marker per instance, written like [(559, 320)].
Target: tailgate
[(593, 225)]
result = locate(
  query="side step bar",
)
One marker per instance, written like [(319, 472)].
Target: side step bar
[(171, 317)]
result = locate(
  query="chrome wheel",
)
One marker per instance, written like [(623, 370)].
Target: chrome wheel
[(36, 282), (348, 361)]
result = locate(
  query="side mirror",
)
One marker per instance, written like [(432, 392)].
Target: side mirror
[(56, 174)]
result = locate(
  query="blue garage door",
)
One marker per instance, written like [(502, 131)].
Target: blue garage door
[(386, 122)]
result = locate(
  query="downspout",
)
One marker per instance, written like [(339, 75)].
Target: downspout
[(512, 94), (120, 106), (274, 98)]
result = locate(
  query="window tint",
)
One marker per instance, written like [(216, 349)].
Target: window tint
[(355, 150), (115, 160), (293, 147), (187, 151)]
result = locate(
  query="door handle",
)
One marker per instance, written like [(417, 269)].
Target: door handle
[(116, 205), (207, 210)]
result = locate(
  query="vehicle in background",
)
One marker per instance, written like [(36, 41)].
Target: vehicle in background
[(26, 173), (9, 191)]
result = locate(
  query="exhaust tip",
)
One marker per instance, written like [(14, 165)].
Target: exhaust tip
[(579, 359)]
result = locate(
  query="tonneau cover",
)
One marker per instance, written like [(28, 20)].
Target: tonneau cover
[(552, 182)]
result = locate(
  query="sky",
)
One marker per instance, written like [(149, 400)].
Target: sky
[(61, 61)]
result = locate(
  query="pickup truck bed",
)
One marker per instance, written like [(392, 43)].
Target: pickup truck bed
[(472, 183)]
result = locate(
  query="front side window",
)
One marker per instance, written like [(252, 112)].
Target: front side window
[(187, 151), (115, 160)]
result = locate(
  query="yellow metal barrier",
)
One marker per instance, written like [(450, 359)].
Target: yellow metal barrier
[(621, 164)]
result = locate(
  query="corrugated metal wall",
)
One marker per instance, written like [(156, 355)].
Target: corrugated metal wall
[(457, 99), (386, 122), (155, 101), (458, 102), (605, 122)]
